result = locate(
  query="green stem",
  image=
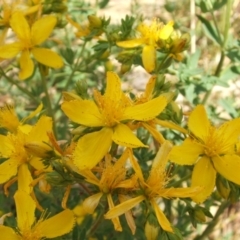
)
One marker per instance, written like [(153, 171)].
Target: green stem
[(49, 103), (213, 222), (24, 90), (223, 43), (76, 66)]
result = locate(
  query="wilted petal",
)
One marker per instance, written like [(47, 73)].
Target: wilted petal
[(7, 233), (187, 153), (47, 57), (10, 50), (42, 28), (162, 220), (131, 43), (123, 136), (145, 111), (84, 112), (92, 147), (57, 225), (26, 65), (124, 207), (228, 166), (149, 58), (204, 175), (92, 202), (25, 206), (198, 122)]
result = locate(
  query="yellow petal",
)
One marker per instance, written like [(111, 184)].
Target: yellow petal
[(37, 163), (6, 146), (57, 225), (47, 57), (42, 28), (162, 220), (113, 89), (24, 178), (34, 113), (145, 111), (155, 133), (198, 122), (228, 166), (187, 153), (10, 50), (123, 136), (131, 43), (160, 160), (116, 222), (20, 26), (123, 207), (229, 133), (92, 147), (149, 58), (150, 87), (166, 31), (84, 112), (7, 233), (26, 65), (204, 175), (25, 206), (180, 192), (8, 169), (39, 132), (92, 202)]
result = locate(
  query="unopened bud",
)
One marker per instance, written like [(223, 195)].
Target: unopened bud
[(199, 215), (39, 149), (94, 21), (151, 231)]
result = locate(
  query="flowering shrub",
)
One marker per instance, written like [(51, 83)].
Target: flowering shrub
[(98, 155)]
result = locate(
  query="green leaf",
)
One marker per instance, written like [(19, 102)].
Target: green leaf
[(209, 29)]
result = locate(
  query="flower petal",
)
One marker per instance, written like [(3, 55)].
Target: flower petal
[(123, 207), (131, 43), (162, 220), (228, 166), (10, 50), (198, 122), (6, 146), (24, 178), (92, 202), (8, 169), (57, 225), (204, 175), (39, 132), (20, 27), (123, 136), (155, 133), (7, 233), (166, 31), (47, 57), (42, 28), (84, 112), (145, 111), (149, 58), (92, 147), (187, 153), (25, 206), (33, 114), (26, 65)]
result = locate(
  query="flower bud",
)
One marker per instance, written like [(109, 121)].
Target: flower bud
[(151, 231), (94, 21)]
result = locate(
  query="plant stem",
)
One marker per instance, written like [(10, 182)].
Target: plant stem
[(73, 71), (49, 103), (24, 90), (223, 43), (214, 221)]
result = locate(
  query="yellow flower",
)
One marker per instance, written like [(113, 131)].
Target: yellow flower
[(211, 149), (112, 178), (29, 228), (154, 188), (29, 39), (149, 36), (109, 112), (13, 147), (10, 121)]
